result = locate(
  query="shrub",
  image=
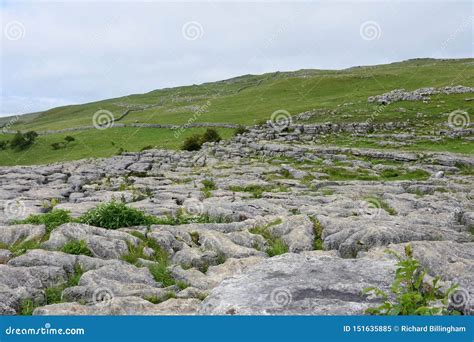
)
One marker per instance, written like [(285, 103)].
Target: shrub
[(51, 220), (113, 215), (412, 296), (192, 143), (69, 139), (77, 247), (147, 147), (240, 130), (3, 144), (57, 145), (211, 135), (22, 141)]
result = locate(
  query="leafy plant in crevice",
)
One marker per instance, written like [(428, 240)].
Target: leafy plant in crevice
[(318, 231), (276, 246), (52, 294), (22, 246), (159, 257), (114, 215), (76, 247), (51, 220), (412, 295)]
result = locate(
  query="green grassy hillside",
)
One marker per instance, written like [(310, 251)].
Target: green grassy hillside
[(339, 96)]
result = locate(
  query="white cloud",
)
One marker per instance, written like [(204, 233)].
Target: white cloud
[(79, 52)]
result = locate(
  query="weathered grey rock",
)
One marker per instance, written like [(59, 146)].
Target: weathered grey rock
[(114, 280), (449, 260), (20, 283), (5, 255), (351, 235), (313, 283), (103, 243), (121, 306), (22, 232), (297, 232)]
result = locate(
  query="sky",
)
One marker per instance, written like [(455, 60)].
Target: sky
[(55, 53)]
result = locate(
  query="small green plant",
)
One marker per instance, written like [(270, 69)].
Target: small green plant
[(23, 246), (240, 130), (69, 139), (113, 215), (4, 145), (51, 220), (159, 269), (209, 185), (160, 299), (318, 231), (76, 247), (147, 147), (53, 294), (276, 246), (254, 189), (210, 135), (27, 306), (192, 143), (412, 295)]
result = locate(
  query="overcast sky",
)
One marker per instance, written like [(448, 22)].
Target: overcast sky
[(57, 53)]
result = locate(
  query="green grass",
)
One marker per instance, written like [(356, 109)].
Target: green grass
[(276, 246), (159, 269), (250, 99), (52, 294), (96, 143), (260, 95), (51, 220), (113, 215), (318, 231), (76, 247), (22, 246), (161, 299), (254, 189)]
